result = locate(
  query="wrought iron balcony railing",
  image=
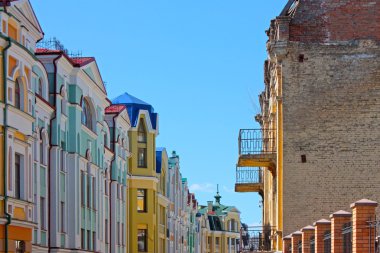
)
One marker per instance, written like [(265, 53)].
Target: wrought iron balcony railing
[(257, 141), (248, 175), (257, 238)]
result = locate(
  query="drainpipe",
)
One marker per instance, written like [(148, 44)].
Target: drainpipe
[(50, 140), (111, 181), (5, 149)]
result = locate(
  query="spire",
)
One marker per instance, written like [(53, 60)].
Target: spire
[(217, 196)]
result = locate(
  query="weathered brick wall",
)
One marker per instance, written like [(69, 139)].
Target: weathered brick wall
[(336, 20), (331, 109)]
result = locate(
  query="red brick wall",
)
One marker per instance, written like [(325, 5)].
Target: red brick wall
[(335, 20)]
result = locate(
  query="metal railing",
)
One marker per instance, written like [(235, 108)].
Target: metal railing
[(347, 237), (327, 242), (249, 175), (312, 244), (256, 238), (299, 246), (257, 141)]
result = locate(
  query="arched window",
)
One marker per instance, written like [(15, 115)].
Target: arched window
[(17, 94), (86, 114), (40, 87), (141, 133)]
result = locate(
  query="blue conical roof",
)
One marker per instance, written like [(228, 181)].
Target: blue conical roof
[(127, 98), (134, 105)]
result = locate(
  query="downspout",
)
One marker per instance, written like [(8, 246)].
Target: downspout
[(110, 186), (5, 153), (50, 140)]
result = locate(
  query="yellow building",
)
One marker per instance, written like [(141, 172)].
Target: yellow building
[(143, 181), (220, 227)]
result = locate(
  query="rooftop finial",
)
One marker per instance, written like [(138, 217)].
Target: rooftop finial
[(217, 196)]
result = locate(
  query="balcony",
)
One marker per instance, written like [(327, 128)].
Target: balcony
[(257, 148), (249, 180), (257, 239)]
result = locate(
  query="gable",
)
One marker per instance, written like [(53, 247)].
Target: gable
[(23, 11), (92, 71)]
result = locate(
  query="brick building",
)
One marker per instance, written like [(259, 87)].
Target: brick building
[(317, 148)]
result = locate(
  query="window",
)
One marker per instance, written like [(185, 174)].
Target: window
[(141, 200), (42, 151), (42, 213), (20, 247), (10, 171), (105, 186), (63, 156), (88, 191), (86, 114), (93, 241), (105, 140), (63, 217), (122, 235), (93, 193), (118, 233), (141, 133), (142, 157), (40, 87), (217, 243), (82, 188), (106, 230), (17, 95), (17, 176), (142, 240), (82, 239), (88, 239)]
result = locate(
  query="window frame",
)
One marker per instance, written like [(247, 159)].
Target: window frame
[(18, 95), (144, 200), (142, 234), (142, 162), (18, 172), (86, 116)]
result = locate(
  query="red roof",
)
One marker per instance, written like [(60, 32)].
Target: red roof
[(45, 50), (115, 109), (76, 61), (81, 61)]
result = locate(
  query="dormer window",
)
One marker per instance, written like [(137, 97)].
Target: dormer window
[(141, 133), (86, 114)]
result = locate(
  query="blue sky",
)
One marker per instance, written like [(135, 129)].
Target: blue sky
[(198, 62)]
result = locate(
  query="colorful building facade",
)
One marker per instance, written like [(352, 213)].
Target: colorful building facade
[(78, 172), (219, 227)]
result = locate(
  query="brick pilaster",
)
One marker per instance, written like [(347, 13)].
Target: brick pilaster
[(321, 227), (287, 241), (338, 219), (307, 233), (296, 238), (363, 211)]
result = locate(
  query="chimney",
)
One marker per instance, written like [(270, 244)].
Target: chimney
[(209, 205)]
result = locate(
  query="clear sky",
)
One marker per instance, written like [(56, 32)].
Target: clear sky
[(198, 62)]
